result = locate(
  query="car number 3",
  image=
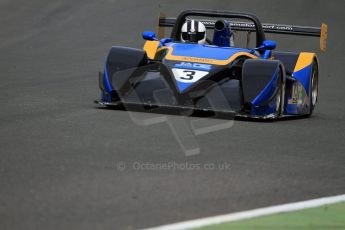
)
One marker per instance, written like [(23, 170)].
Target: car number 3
[(189, 74)]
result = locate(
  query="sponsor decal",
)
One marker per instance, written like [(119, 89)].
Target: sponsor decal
[(194, 59), (197, 66), (251, 25), (298, 95), (210, 22), (294, 98)]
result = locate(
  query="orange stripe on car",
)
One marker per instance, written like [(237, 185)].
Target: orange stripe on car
[(172, 57), (151, 48), (304, 60)]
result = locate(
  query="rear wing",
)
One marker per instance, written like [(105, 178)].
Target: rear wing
[(320, 32)]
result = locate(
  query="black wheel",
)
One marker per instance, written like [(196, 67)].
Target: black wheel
[(314, 88)]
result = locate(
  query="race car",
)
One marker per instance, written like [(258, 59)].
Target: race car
[(199, 67)]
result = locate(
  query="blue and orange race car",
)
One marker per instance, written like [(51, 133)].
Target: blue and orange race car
[(200, 68)]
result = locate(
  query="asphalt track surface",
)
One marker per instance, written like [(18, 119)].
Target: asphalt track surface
[(59, 153)]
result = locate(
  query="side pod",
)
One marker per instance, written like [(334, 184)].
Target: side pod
[(262, 85), (121, 58)]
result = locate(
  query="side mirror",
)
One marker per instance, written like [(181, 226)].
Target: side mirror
[(149, 36), (269, 45)]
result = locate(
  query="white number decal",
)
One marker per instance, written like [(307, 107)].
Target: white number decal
[(188, 76)]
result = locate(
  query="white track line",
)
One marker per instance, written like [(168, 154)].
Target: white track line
[(251, 213)]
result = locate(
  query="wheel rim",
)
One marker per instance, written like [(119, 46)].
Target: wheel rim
[(314, 89)]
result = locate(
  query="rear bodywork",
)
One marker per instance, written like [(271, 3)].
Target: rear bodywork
[(219, 78)]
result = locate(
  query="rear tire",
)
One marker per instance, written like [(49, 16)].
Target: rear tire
[(280, 94), (280, 97), (314, 88)]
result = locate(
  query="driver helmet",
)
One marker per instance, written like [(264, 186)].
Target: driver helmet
[(193, 31)]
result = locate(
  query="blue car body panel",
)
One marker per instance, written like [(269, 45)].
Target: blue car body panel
[(303, 76)]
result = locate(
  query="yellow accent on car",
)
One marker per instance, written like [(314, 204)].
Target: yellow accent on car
[(304, 60), (323, 37), (151, 48), (172, 57)]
